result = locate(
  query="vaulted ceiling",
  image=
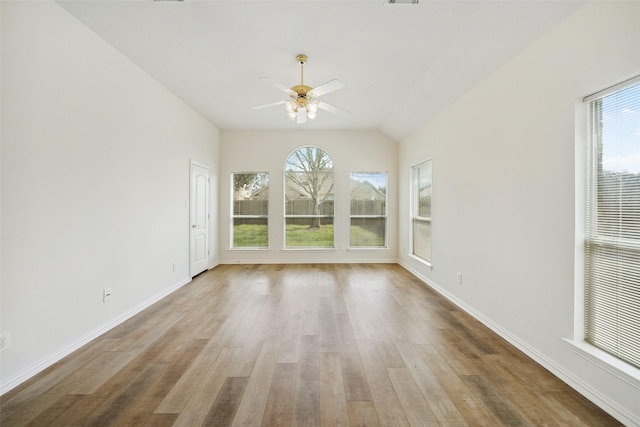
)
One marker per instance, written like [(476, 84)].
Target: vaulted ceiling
[(401, 64)]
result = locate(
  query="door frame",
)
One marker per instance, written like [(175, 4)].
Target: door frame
[(193, 163)]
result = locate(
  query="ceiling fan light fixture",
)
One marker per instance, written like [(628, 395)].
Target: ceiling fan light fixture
[(301, 116)]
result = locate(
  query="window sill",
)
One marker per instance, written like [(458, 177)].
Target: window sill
[(421, 261), (368, 248), (620, 369), (247, 249), (309, 249)]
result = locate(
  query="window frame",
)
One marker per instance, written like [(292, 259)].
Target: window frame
[(372, 216), (233, 216), (592, 241), (287, 216), (415, 212)]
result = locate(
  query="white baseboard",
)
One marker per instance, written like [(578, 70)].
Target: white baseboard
[(606, 404), (308, 261), (23, 376)]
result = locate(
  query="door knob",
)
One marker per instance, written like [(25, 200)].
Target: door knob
[(193, 226)]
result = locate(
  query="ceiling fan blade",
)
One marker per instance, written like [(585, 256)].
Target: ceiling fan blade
[(271, 104), (277, 85), (331, 108), (329, 86)]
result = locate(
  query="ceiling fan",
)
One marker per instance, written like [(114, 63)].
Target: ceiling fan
[(303, 104)]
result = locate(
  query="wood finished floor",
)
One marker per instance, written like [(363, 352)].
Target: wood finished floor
[(299, 345)]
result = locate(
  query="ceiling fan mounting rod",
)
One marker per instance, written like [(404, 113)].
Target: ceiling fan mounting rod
[(301, 89), (302, 59)]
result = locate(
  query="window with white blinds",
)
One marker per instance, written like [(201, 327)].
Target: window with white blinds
[(612, 246), (421, 181)]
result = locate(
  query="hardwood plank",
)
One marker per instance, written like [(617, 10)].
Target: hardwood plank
[(327, 334), (416, 408), (363, 414), (112, 410), (310, 305), (343, 328), (32, 402), (391, 414), (257, 338), (469, 404), (256, 395), (579, 407), (145, 403), (442, 407), (463, 358), (148, 345), (358, 323), (289, 300), (534, 409), (290, 349), (375, 372), (333, 407), (387, 349), (306, 405), (175, 401), (388, 408), (196, 406), (52, 376), (355, 380), (56, 415), (279, 409), (226, 404), (496, 403)]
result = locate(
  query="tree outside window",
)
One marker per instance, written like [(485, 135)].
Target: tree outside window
[(309, 185)]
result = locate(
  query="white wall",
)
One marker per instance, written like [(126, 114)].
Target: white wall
[(95, 174), (267, 151), (504, 209)]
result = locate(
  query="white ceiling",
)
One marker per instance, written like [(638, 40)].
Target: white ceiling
[(400, 64)]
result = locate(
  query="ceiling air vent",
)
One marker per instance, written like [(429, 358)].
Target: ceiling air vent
[(402, 1)]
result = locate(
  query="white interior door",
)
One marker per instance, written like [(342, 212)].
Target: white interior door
[(199, 214)]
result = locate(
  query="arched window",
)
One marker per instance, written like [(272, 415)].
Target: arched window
[(309, 184)]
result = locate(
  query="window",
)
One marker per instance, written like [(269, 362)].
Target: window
[(368, 209), (612, 246), (250, 214), (309, 199), (421, 211)]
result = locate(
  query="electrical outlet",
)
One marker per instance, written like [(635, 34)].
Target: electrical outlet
[(5, 341), (106, 295), (459, 278)]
